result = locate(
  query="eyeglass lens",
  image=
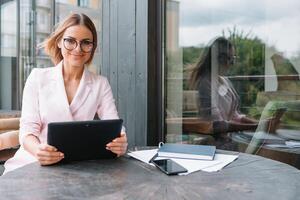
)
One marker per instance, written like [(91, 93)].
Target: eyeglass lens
[(71, 44)]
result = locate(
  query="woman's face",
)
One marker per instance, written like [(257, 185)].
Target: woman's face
[(76, 45), (226, 59)]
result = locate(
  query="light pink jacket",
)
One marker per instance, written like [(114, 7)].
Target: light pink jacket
[(45, 101)]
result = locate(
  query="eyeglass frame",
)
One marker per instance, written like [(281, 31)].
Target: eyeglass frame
[(80, 43)]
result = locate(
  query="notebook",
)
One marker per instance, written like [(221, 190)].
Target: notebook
[(187, 151), (84, 140)]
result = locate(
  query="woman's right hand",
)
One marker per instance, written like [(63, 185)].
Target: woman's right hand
[(48, 155)]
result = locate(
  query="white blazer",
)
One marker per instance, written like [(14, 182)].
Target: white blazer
[(45, 101)]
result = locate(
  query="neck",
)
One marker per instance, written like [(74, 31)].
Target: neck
[(72, 72)]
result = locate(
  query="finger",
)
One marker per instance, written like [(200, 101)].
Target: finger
[(47, 147), (49, 154), (117, 149), (113, 143), (120, 139), (119, 152), (49, 162), (49, 159), (117, 144)]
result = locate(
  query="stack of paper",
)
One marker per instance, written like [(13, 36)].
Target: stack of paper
[(220, 161)]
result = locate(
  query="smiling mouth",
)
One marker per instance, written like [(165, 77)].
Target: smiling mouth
[(76, 55)]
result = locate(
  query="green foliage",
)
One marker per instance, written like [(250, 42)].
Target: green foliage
[(191, 55), (250, 61)]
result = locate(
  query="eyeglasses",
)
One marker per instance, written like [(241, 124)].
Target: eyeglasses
[(85, 45)]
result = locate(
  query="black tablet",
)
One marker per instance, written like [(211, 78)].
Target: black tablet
[(84, 140)]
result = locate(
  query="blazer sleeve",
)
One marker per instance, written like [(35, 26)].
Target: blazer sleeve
[(30, 122), (107, 107)]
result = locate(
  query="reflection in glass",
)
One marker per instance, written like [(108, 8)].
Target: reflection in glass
[(8, 55), (259, 87), (218, 101)]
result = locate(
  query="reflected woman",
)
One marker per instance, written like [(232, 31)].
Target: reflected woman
[(218, 101), (66, 92)]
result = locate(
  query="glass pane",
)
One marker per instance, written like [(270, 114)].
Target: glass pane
[(26, 39), (94, 12), (232, 75), (71, 2), (95, 4), (43, 30), (8, 55), (9, 29)]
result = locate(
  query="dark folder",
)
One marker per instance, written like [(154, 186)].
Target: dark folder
[(187, 151)]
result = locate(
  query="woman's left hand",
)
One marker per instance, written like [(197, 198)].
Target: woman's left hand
[(118, 145)]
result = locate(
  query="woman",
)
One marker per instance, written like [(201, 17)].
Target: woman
[(66, 92), (218, 100)]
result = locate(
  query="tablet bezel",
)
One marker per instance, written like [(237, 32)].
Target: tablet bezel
[(71, 138)]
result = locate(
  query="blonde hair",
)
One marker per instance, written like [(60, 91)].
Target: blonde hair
[(51, 43)]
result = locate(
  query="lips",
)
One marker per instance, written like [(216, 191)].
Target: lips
[(77, 55)]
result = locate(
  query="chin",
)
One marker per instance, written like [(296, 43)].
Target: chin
[(78, 64)]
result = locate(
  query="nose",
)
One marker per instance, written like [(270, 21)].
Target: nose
[(78, 48)]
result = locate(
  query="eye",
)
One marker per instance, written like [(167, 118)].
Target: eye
[(70, 40), (86, 42)]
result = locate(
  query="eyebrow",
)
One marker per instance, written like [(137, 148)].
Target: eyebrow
[(80, 40)]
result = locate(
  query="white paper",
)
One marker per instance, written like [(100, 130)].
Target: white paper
[(220, 161), (143, 155), (224, 160)]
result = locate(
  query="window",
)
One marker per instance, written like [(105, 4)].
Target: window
[(24, 25), (231, 75), (8, 54)]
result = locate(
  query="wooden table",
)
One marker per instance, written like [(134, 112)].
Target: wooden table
[(249, 177)]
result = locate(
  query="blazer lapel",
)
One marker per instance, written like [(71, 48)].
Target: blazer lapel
[(82, 92), (60, 93)]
